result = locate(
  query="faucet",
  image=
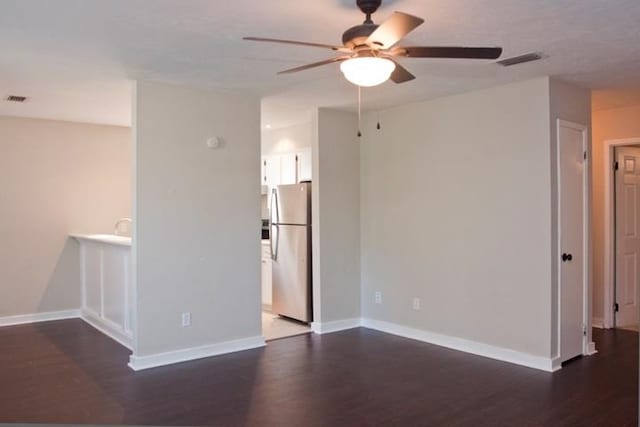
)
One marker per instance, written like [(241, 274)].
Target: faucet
[(116, 229)]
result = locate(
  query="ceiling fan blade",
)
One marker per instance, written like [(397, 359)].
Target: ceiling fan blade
[(315, 64), (401, 74), (295, 42), (448, 52), (393, 29)]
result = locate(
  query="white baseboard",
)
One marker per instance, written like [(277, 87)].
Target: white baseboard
[(591, 349), (112, 331), (335, 326), (22, 319), (597, 322), (467, 346), (138, 363)]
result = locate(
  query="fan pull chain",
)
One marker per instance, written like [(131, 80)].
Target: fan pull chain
[(359, 108), (378, 125)]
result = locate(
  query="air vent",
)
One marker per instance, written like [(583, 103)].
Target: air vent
[(535, 56), (16, 98)]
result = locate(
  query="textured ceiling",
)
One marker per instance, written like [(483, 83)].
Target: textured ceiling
[(74, 57)]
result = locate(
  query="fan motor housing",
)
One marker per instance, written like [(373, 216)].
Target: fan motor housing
[(368, 6), (356, 36)]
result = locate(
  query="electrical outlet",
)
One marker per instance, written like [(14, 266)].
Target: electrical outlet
[(186, 319), (416, 303), (378, 296)]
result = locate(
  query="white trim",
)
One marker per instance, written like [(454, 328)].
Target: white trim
[(83, 274), (101, 280), (597, 322), (335, 326), (22, 319), (591, 349), (138, 363), (107, 327), (586, 234), (609, 232), (460, 344), (126, 325), (556, 364)]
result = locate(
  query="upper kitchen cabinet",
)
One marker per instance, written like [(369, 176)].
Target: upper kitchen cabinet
[(304, 165), (289, 168), (286, 168), (270, 171)]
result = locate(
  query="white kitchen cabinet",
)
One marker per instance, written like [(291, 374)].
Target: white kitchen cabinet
[(304, 165), (266, 275), (286, 168), (263, 170), (289, 168), (271, 171)]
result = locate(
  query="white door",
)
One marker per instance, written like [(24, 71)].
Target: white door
[(272, 172), (304, 165), (571, 194), (289, 168), (263, 171), (627, 235)]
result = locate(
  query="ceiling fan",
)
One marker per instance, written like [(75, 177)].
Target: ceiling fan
[(369, 50)]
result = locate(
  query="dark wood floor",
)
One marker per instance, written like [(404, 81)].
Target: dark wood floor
[(66, 372)]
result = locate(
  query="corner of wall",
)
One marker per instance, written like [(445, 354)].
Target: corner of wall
[(568, 102), (197, 212), (336, 216)]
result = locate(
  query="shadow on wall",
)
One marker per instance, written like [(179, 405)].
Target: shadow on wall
[(63, 291)]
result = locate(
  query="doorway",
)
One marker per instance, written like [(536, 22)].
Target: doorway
[(573, 240), (622, 233), (285, 181)]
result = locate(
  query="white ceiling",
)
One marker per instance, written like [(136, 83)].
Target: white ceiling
[(74, 57)]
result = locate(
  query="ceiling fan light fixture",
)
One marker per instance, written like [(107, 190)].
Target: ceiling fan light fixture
[(367, 71)]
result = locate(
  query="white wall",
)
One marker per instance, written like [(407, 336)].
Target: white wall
[(56, 178), (571, 103), (287, 139), (197, 218), (336, 216), (456, 210)]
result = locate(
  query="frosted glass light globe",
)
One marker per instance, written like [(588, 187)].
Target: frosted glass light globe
[(367, 71)]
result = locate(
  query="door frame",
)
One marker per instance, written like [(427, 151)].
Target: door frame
[(609, 226), (587, 346)]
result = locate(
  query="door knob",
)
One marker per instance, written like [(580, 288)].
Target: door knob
[(566, 257)]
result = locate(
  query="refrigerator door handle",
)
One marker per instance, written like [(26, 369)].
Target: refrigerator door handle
[(274, 199), (274, 224), (274, 253)]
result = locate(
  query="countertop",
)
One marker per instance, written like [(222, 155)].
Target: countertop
[(110, 239)]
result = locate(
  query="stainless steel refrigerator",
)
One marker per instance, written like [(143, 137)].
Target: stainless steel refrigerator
[(290, 241)]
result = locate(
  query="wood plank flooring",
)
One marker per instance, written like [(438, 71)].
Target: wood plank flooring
[(67, 372)]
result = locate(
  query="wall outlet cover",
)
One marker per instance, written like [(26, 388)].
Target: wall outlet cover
[(378, 297), (186, 319)]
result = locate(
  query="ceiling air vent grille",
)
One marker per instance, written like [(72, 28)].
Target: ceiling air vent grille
[(16, 98), (535, 56)]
